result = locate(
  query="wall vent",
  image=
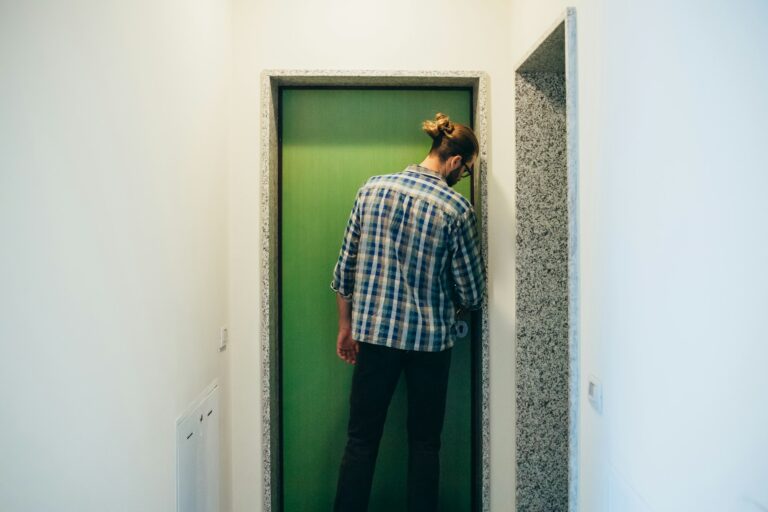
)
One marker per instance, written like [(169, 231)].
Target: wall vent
[(197, 454)]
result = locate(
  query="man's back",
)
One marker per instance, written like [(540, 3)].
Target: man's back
[(410, 254)]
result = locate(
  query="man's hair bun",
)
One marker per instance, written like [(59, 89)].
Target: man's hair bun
[(442, 125), (449, 138)]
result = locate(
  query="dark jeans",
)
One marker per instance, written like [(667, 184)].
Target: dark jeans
[(373, 383)]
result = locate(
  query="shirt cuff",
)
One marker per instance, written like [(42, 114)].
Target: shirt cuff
[(346, 296)]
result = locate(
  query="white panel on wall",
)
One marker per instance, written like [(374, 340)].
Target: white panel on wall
[(197, 449), (187, 437), (210, 452)]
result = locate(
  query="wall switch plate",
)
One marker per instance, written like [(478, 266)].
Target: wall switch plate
[(595, 393), (223, 339)]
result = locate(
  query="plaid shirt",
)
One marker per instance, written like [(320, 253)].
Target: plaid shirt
[(410, 255)]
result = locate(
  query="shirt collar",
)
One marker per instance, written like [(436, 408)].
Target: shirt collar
[(423, 170)]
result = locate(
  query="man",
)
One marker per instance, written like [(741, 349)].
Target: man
[(410, 256)]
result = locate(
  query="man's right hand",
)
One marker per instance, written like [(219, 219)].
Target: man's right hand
[(346, 347)]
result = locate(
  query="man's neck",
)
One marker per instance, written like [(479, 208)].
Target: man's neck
[(433, 164)]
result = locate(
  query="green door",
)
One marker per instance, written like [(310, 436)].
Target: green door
[(332, 141)]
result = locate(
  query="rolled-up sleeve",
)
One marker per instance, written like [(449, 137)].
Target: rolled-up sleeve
[(343, 281), (467, 266)]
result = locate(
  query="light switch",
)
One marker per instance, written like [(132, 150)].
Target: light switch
[(223, 339)]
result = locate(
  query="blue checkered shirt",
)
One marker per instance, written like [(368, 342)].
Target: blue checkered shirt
[(410, 256)]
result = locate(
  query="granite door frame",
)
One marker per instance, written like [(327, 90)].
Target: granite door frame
[(271, 81), (541, 57)]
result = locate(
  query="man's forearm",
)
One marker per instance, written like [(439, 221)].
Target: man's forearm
[(345, 312)]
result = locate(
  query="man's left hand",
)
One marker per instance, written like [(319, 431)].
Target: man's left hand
[(346, 347)]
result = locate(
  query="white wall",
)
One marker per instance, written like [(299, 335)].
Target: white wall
[(113, 217), (673, 213), (400, 34)]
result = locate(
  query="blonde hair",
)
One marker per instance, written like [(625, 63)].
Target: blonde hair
[(449, 138)]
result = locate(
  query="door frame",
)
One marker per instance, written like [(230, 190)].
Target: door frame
[(271, 81)]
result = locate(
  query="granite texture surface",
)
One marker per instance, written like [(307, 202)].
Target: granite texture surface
[(547, 56), (542, 363), (574, 275), (270, 81)]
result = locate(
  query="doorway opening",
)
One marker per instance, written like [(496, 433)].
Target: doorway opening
[(547, 357)]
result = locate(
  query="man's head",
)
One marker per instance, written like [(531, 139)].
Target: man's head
[(454, 144)]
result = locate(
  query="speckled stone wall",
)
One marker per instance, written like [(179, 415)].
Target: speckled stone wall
[(542, 363)]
